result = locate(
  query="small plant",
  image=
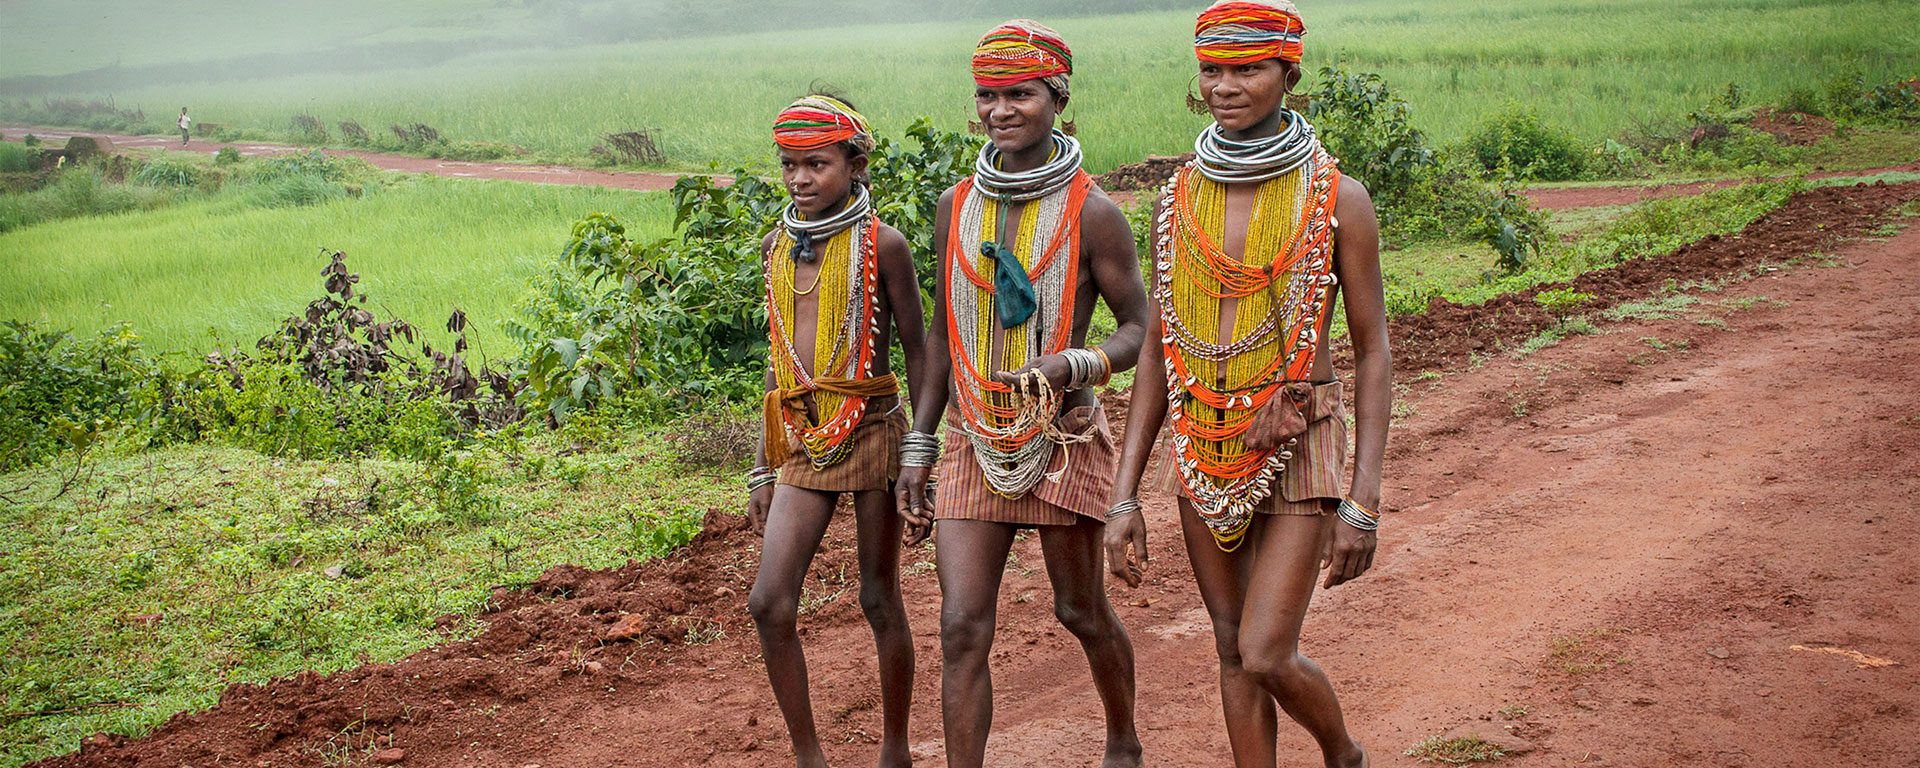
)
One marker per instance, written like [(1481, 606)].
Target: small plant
[(1663, 308), (354, 133), (1461, 750), (1561, 302), (1519, 143), (630, 148), (30, 140), (1512, 711), (226, 156)]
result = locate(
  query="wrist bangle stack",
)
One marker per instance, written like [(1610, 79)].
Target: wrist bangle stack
[(1358, 516), (1086, 367), (919, 449), (1122, 508), (761, 477)]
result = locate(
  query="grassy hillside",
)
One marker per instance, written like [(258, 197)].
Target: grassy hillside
[(190, 274), (1595, 68)]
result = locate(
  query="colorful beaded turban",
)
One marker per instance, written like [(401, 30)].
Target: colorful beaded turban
[(821, 121), (1022, 50), (1240, 32)]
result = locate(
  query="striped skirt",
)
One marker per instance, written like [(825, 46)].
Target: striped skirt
[(872, 465), (1083, 491)]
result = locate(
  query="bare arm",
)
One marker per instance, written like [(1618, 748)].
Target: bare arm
[(761, 500), (1357, 261), (930, 392), (1126, 537), (902, 288)]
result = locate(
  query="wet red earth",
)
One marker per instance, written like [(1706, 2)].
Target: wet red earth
[(1683, 541)]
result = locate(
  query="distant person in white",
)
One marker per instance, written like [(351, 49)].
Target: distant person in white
[(185, 123)]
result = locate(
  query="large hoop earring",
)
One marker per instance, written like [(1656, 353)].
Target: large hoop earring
[(1070, 127), (1298, 102), (1195, 104)]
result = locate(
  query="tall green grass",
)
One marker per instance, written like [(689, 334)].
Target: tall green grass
[(223, 271), (1595, 68)]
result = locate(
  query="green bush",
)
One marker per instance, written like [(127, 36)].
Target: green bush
[(83, 191), (226, 156), (18, 158), (1517, 142), (1740, 148), (59, 392)]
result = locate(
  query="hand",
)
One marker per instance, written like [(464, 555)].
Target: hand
[(910, 500), (1349, 553), (759, 503), (1129, 530), (1054, 367)]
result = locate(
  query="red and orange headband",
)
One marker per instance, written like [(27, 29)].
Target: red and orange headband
[(1022, 50), (821, 121), (1241, 31)]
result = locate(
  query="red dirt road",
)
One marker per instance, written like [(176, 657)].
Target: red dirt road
[(1552, 199), (1679, 542), (537, 174)]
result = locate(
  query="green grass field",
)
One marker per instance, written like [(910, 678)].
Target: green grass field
[(198, 273), (1595, 68)]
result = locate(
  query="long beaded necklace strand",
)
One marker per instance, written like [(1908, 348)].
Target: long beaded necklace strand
[(1215, 389), (846, 353), (1012, 433)]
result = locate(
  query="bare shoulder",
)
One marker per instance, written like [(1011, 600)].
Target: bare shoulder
[(893, 251), (1102, 213), (1355, 202)]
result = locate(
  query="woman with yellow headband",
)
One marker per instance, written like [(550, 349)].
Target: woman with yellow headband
[(1253, 241), (1026, 246), (839, 284)]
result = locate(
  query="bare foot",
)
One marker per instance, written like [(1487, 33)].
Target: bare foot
[(1122, 753), (898, 757), (1355, 757)]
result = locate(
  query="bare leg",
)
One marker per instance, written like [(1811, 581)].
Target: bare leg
[(1076, 566), (879, 533), (795, 524), (1286, 562), (1252, 724), (972, 557)]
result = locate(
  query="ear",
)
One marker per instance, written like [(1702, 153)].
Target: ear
[(1292, 73), (857, 164)]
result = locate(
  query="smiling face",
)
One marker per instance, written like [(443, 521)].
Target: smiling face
[(1242, 96), (1017, 116), (817, 179)]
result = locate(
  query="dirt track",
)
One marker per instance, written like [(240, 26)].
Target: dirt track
[(1552, 199), (1660, 545)]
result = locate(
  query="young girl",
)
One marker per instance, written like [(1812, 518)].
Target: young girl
[(1253, 240), (839, 285)]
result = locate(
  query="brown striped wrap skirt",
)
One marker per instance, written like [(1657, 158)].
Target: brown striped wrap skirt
[(873, 463), (1082, 493), (1319, 461)]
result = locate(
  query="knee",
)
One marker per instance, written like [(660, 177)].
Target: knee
[(1226, 642), (1281, 667), (965, 633), (772, 609), (1086, 620), (881, 604)]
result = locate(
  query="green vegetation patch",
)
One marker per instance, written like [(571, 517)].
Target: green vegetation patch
[(140, 585), (1455, 751)]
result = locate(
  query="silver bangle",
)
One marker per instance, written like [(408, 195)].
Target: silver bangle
[(761, 477), (919, 449), (1352, 514), (1084, 367), (1122, 508)]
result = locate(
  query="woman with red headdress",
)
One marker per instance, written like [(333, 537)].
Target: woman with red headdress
[(1254, 240), (1026, 246)]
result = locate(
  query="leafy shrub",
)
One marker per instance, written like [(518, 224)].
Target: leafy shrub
[(1730, 147), (226, 156), (75, 192), (57, 390), (18, 158), (1517, 142), (1561, 302)]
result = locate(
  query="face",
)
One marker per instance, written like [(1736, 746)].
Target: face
[(819, 178), (1017, 116), (1242, 95)]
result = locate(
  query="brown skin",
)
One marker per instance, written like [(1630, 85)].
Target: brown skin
[(972, 555), (793, 520), (1257, 597)]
